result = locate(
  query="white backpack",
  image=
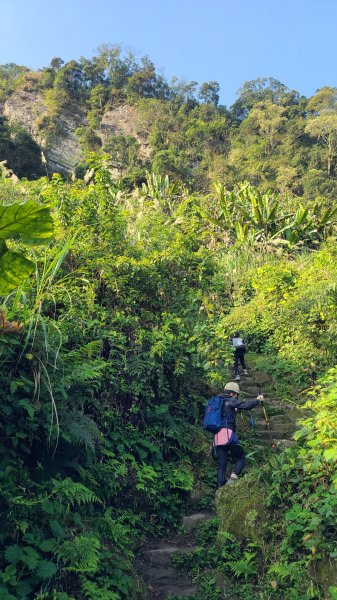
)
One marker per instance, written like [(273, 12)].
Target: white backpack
[(238, 342)]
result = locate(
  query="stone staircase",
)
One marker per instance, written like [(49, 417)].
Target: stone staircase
[(275, 426), (154, 562)]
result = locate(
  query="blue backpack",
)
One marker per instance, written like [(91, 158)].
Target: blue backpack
[(213, 416)]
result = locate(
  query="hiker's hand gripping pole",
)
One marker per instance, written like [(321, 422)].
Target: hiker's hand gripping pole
[(261, 398)]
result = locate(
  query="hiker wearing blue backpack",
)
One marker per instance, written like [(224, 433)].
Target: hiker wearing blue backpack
[(220, 419)]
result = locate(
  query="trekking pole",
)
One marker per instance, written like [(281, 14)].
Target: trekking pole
[(252, 420), (265, 415), (243, 422)]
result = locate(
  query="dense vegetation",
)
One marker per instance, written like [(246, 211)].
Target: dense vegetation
[(271, 136), (118, 301), (19, 150), (109, 351)]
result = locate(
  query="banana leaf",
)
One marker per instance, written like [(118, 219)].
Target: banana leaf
[(30, 222), (14, 269)]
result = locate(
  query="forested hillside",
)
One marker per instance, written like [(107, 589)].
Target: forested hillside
[(121, 286), (271, 136)]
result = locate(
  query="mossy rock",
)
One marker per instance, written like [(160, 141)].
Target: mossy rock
[(324, 572), (241, 509)]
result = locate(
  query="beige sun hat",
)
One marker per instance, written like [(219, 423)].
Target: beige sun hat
[(231, 386)]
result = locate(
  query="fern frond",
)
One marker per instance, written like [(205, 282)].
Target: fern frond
[(82, 429), (81, 555), (81, 372), (71, 493), (92, 590)]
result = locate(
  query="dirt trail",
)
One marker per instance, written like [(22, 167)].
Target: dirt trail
[(154, 562)]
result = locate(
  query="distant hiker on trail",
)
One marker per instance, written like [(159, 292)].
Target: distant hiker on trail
[(239, 355), (220, 419)]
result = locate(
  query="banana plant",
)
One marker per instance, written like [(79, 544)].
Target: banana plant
[(248, 215), (231, 206), (31, 224), (244, 233), (161, 190), (324, 218), (264, 209)]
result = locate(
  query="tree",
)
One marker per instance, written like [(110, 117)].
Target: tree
[(322, 123), (56, 63), (146, 83), (124, 150), (267, 119), (184, 92), (260, 90), (70, 79), (117, 67), (209, 92), (10, 75)]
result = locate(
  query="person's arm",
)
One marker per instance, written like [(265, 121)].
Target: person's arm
[(240, 405)]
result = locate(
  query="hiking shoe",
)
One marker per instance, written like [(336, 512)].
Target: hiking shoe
[(237, 377), (245, 372), (233, 478)]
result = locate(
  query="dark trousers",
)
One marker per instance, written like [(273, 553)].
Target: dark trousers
[(239, 355), (237, 453)]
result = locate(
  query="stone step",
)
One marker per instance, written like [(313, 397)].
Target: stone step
[(279, 443), (271, 410), (283, 417), (162, 580), (275, 423), (285, 443), (260, 418), (162, 556), (190, 521), (176, 590), (259, 377), (251, 390), (274, 433), (157, 574)]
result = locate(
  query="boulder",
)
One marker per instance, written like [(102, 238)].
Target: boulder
[(241, 509), (324, 572)]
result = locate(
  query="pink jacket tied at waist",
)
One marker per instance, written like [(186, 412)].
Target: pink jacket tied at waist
[(223, 437)]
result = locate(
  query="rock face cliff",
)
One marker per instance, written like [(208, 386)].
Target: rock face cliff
[(124, 120), (62, 149)]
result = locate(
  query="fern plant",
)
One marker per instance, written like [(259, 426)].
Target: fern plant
[(244, 567), (81, 555), (94, 592), (80, 429), (70, 493)]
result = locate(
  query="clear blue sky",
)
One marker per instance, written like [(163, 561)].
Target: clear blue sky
[(230, 41)]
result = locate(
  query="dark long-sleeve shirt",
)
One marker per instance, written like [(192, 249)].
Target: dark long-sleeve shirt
[(229, 407)]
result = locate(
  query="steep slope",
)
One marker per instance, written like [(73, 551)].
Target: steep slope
[(155, 559), (62, 148)]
